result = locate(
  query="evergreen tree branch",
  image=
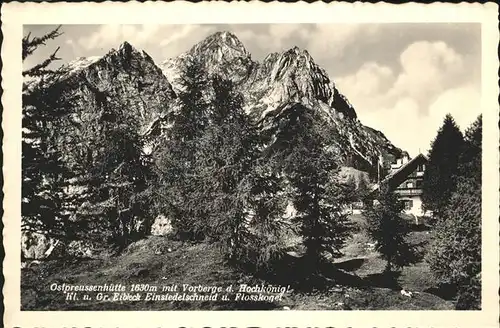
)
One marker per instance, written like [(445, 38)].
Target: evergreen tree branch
[(29, 46)]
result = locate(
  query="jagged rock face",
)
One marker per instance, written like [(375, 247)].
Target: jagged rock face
[(131, 78), (221, 53), (291, 76), (126, 76), (225, 55), (282, 79)]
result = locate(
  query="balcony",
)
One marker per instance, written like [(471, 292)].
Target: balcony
[(408, 192)]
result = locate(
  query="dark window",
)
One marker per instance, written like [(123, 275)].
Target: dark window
[(419, 183), (408, 204)]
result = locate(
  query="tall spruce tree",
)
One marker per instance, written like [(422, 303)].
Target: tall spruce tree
[(350, 189), (389, 230), (176, 157), (216, 187), (267, 207), (363, 190), (107, 163), (226, 155), (439, 180), (455, 252), (43, 172), (313, 176), (223, 159)]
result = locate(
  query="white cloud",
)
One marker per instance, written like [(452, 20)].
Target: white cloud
[(366, 87), (401, 124), (409, 106), (163, 40), (463, 103), (404, 125), (275, 39), (248, 35), (105, 36), (330, 40), (112, 35), (180, 38), (323, 41), (139, 35), (283, 31), (72, 45), (181, 33), (428, 68)]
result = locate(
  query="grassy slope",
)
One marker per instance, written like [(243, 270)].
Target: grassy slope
[(359, 285)]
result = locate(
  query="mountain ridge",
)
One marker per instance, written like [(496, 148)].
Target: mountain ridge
[(127, 75), (280, 80), (148, 91)]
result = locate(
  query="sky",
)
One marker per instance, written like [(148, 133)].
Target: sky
[(401, 78)]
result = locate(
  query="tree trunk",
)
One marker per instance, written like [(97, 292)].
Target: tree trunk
[(388, 266)]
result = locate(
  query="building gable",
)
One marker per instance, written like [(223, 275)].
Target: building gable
[(408, 170), (406, 182)]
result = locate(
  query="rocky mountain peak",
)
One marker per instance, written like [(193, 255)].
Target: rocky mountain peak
[(221, 53), (127, 51), (298, 52), (296, 61), (126, 78), (293, 76), (125, 46), (130, 79), (280, 80), (124, 57), (221, 46), (81, 63)]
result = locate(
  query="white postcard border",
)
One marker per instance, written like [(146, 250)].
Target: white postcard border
[(14, 15)]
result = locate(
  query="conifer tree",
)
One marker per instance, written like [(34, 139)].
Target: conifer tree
[(470, 158), (226, 155), (389, 230), (455, 253), (116, 175), (216, 186), (439, 180), (176, 157), (192, 116), (43, 172), (268, 229), (223, 160), (350, 189), (363, 190), (316, 193)]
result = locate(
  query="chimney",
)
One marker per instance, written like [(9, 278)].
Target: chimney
[(405, 158)]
